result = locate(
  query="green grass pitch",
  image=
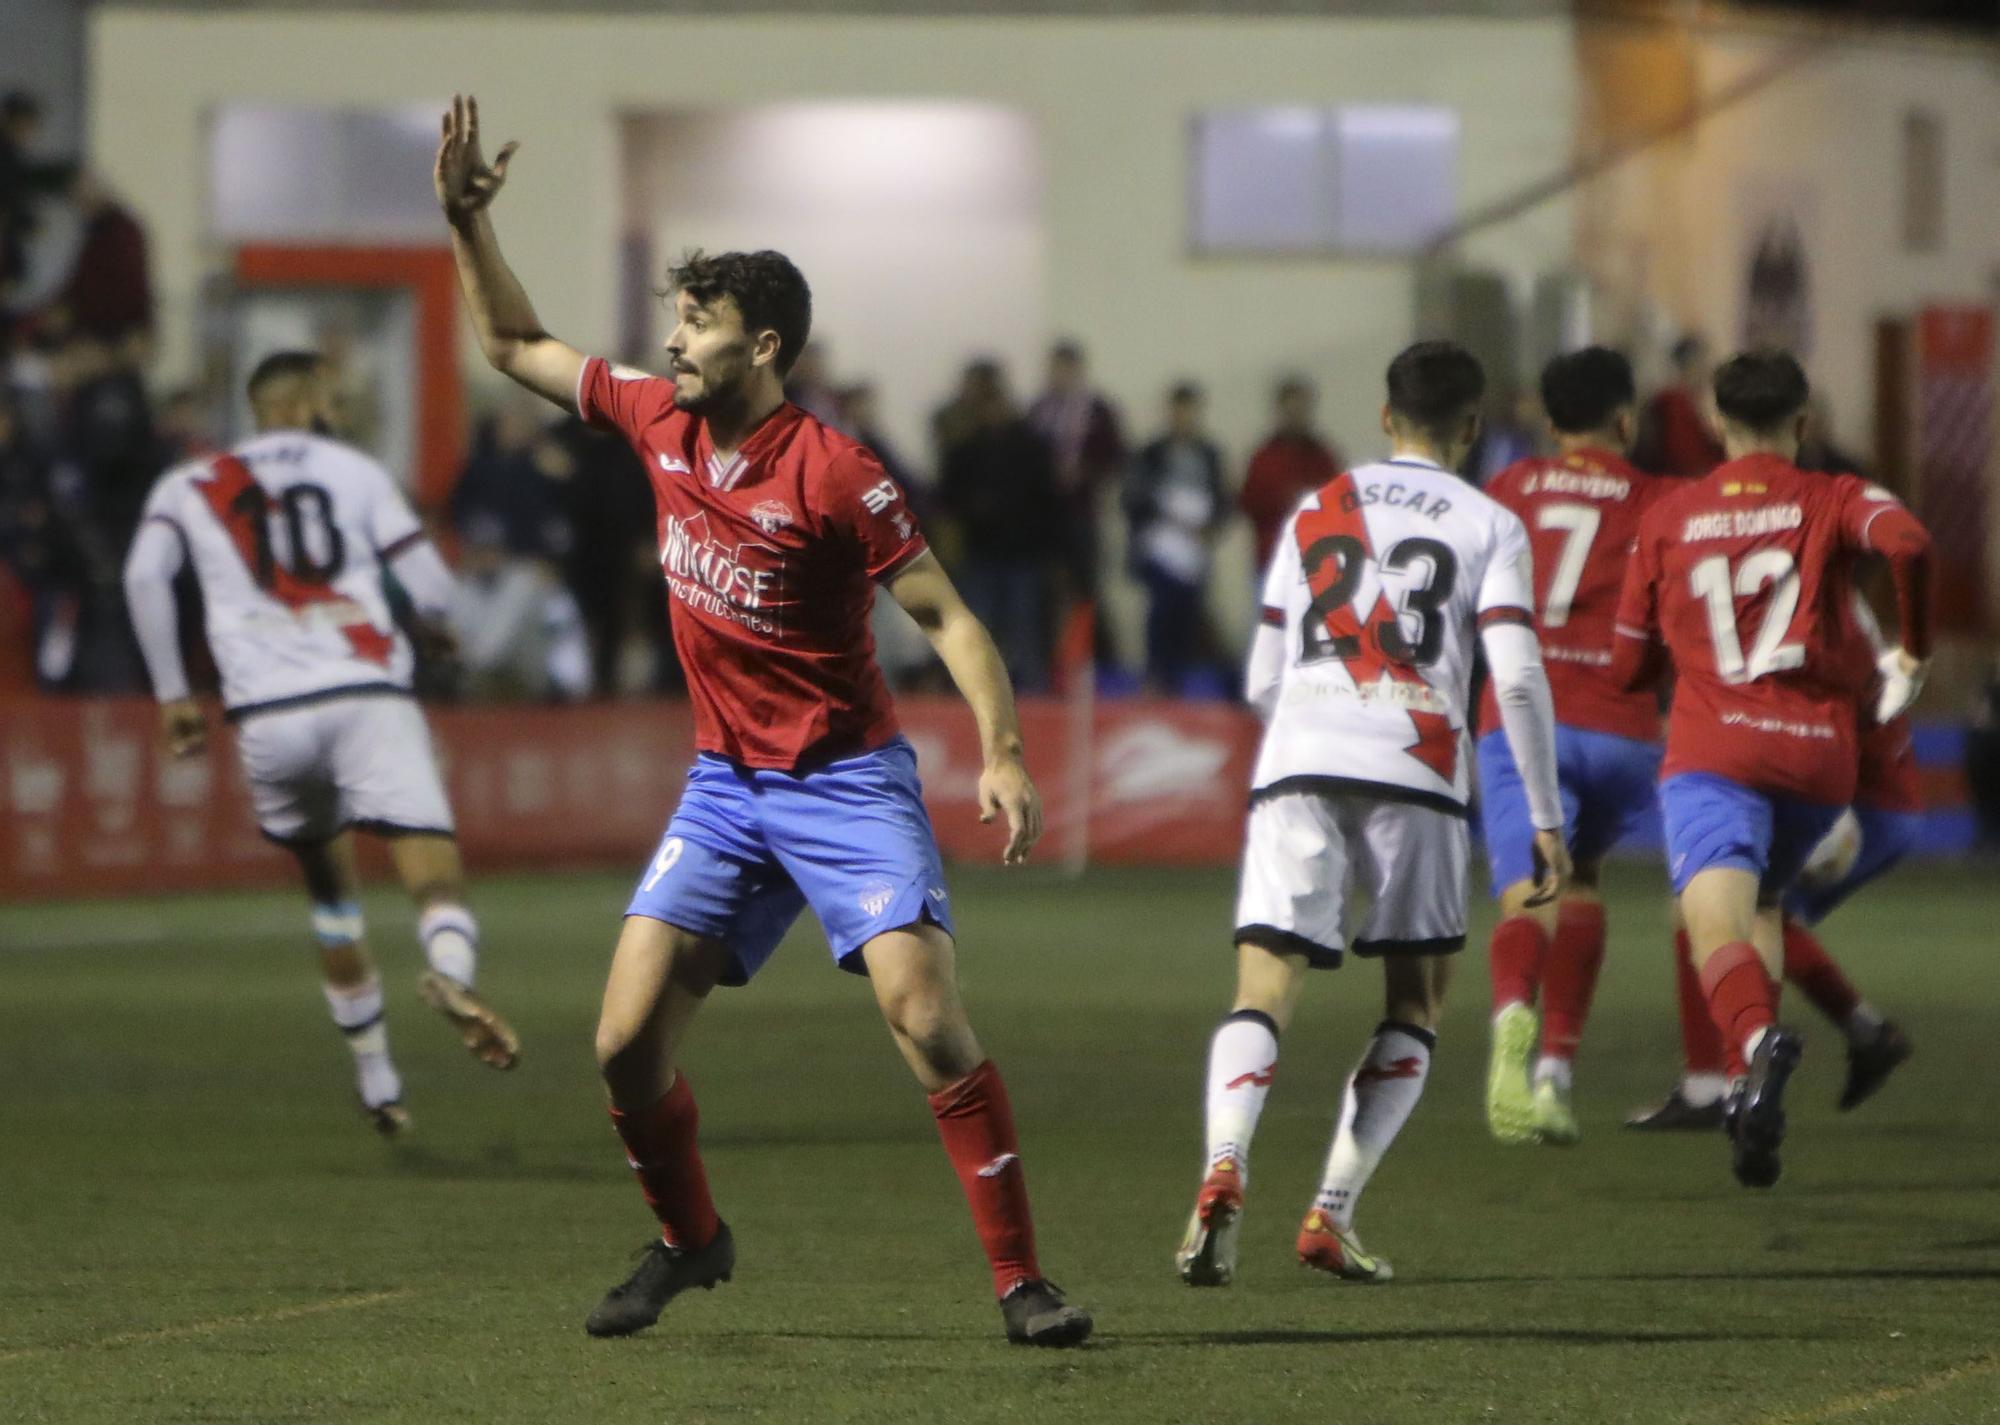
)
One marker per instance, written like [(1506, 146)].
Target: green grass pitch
[(195, 1225)]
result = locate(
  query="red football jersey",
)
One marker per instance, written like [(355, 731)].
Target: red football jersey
[(1582, 512), (1745, 576), (771, 560)]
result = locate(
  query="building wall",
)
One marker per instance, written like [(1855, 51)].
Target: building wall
[(1110, 100), (1824, 138)]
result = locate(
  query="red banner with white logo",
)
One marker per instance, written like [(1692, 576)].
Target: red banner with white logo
[(94, 805)]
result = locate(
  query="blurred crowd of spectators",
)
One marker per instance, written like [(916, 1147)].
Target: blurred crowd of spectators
[(1039, 506)]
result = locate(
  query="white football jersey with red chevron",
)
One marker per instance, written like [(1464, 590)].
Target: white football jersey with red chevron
[(1372, 607), (288, 534)]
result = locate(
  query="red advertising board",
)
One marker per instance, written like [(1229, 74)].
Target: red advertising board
[(93, 806)]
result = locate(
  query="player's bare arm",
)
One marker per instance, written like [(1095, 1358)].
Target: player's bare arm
[(927, 595), (510, 334)]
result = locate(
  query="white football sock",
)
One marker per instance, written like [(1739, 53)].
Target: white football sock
[(1242, 1058), (1752, 1040), (451, 942), (1383, 1089), (357, 1012), (1551, 1069), (1863, 1024), (1700, 1090)]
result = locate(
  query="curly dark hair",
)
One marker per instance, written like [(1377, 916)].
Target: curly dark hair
[(1582, 390), (1761, 390), (768, 290)]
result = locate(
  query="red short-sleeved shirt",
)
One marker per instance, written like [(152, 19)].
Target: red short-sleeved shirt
[(771, 560), (1746, 575), (1582, 514)]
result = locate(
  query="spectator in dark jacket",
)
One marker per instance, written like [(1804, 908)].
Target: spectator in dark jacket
[(998, 486), (1174, 503), (1287, 467), (1081, 427)]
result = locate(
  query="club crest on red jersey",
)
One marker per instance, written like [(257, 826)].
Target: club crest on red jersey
[(771, 515)]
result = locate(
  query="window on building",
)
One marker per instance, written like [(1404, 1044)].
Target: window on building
[(1360, 178), (1923, 181)]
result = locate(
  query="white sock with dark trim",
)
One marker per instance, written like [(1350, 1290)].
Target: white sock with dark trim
[(1381, 1093), (451, 942), (357, 1012), (1242, 1060)]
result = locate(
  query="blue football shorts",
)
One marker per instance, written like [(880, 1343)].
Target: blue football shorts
[(749, 848), (1886, 838), (1608, 792), (1712, 821)]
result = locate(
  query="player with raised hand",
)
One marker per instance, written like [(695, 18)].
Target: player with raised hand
[(289, 536), (1381, 582), (1581, 508), (774, 531), (1744, 578)]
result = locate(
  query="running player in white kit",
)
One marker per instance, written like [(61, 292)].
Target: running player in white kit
[(1361, 671), (289, 536)]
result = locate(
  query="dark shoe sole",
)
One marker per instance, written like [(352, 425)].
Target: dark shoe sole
[(1863, 1083), (1760, 1131), (632, 1326), (1071, 1328)]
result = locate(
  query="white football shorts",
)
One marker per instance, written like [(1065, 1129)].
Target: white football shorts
[(364, 762), (1305, 852)]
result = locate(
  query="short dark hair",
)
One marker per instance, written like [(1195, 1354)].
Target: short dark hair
[(281, 366), (1582, 390), (1761, 390), (1434, 385), (768, 290), (1183, 393), (1066, 350), (1293, 385), (1687, 349), (20, 104)]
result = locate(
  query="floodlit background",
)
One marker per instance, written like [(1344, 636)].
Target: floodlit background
[(1222, 196)]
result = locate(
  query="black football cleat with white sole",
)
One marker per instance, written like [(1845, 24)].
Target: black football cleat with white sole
[(1675, 1114), (1869, 1065), (1037, 1315), (1757, 1109), (663, 1273)]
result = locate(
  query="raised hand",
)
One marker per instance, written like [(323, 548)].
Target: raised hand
[(465, 182)]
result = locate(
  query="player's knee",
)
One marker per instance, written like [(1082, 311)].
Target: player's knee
[(618, 1046), (925, 1013)]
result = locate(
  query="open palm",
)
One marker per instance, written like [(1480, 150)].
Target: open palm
[(465, 182)]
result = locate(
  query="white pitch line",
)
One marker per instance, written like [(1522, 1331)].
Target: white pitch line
[(1848, 1405), (203, 1328)]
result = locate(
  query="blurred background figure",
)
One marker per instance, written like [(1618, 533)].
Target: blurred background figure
[(997, 488), (1081, 428), (979, 385), (1676, 435), (613, 566), (859, 413), (810, 386), (1175, 503), (1510, 431), (520, 636), (513, 482), (1293, 461), (109, 295)]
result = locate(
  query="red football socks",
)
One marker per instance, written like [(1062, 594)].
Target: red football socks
[(1741, 997), (1570, 979), (977, 1125), (1702, 1050), (1808, 966), (659, 1143), (1515, 959)]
